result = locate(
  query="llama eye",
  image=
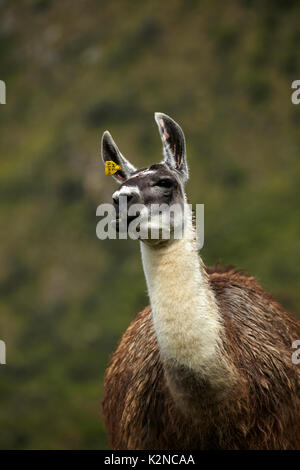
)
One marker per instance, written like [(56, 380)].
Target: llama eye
[(164, 183)]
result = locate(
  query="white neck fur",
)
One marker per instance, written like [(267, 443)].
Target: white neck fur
[(185, 312)]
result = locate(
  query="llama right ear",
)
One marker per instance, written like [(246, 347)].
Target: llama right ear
[(110, 152), (173, 140)]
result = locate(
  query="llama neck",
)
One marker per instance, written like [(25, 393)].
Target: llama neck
[(185, 312)]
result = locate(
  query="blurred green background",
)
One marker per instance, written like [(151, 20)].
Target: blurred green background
[(223, 70)]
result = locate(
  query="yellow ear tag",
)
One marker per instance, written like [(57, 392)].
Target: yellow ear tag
[(111, 167)]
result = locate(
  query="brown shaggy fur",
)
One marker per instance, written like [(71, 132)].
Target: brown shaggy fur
[(262, 412)]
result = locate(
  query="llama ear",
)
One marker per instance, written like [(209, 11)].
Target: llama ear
[(173, 140), (110, 152)]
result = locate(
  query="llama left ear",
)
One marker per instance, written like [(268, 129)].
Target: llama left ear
[(173, 140), (112, 155)]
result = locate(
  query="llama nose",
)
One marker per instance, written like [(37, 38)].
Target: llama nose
[(116, 199)]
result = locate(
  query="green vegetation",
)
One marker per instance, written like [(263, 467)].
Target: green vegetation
[(73, 69)]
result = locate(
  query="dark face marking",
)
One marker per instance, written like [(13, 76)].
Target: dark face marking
[(157, 185)]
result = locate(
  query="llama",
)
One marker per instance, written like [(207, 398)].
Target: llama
[(208, 364)]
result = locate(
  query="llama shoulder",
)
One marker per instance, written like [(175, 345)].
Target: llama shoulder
[(242, 301), (259, 333)]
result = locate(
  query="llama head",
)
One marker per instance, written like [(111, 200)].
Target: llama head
[(152, 199)]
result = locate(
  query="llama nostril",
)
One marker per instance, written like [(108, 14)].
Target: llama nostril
[(129, 197), (115, 200)]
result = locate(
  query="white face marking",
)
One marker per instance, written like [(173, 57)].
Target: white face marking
[(147, 172), (126, 191)]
